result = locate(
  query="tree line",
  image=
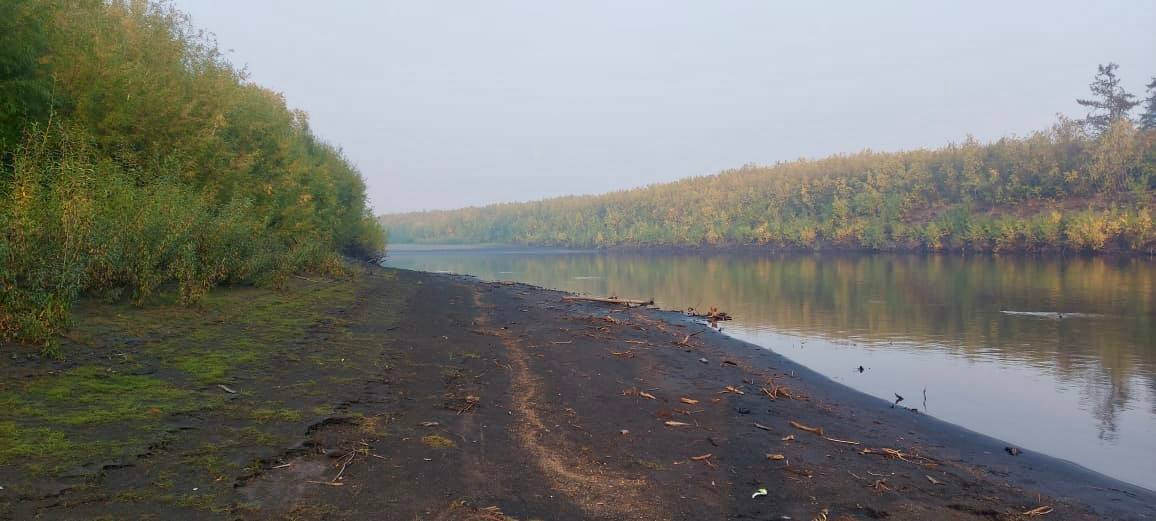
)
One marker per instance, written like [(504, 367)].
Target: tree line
[(1082, 185), (134, 156)]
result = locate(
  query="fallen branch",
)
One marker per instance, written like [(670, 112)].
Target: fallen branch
[(344, 465), (774, 391), (471, 402), (816, 430), (713, 315), (685, 342), (610, 300), (841, 441), (1039, 511), (895, 454)]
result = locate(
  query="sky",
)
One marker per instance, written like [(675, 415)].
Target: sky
[(444, 104)]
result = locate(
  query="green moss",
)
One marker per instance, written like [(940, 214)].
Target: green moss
[(203, 502), (213, 367), (258, 437), (268, 415), (435, 441), (209, 461), (18, 443), (110, 400), (93, 395)]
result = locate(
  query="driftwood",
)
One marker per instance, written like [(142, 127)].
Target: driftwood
[(610, 300), (714, 315)]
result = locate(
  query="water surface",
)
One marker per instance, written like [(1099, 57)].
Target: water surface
[(1055, 355)]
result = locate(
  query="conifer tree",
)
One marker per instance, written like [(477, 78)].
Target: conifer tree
[(1148, 118), (1110, 102)]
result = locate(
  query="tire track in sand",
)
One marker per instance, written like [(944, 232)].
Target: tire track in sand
[(600, 492)]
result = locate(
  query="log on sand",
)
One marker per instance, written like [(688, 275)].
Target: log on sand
[(611, 300)]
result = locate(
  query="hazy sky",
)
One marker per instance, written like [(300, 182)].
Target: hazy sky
[(446, 104)]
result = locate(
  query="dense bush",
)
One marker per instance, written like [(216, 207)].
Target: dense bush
[(132, 156)]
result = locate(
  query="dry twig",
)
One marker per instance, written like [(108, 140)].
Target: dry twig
[(816, 430), (1039, 511)]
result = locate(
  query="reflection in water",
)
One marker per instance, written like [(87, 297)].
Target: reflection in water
[(1055, 354)]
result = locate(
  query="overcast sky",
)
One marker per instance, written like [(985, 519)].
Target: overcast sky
[(446, 104)]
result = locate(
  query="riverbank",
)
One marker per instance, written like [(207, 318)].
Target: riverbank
[(912, 248), (430, 396)]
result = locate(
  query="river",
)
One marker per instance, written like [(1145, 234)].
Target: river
[(1056, 355)]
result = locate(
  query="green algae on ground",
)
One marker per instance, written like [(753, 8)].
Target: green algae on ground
[(435, 441), (92, 395), (144, 382), (265, 415), (18, 443)]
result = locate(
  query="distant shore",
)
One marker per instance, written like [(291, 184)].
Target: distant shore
[(913, 249)]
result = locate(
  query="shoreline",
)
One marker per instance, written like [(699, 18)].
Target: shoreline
[(763, 250), (1026, 469), (978, 453), (442, 397)]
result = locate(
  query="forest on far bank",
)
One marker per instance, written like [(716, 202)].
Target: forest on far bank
[(1084, 185), (135, 157)]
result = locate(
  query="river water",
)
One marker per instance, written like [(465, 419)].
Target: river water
[(1055, 355)]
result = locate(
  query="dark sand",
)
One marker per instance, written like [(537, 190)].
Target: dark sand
[(501, 401)]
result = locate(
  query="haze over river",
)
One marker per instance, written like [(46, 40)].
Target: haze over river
[(1056, 355)]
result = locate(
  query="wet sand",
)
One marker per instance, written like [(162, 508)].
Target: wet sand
[(502, 401)]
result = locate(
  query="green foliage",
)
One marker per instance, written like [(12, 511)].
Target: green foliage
[(162, 164), (1147, 120), (1056, 189), (25, 94)]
